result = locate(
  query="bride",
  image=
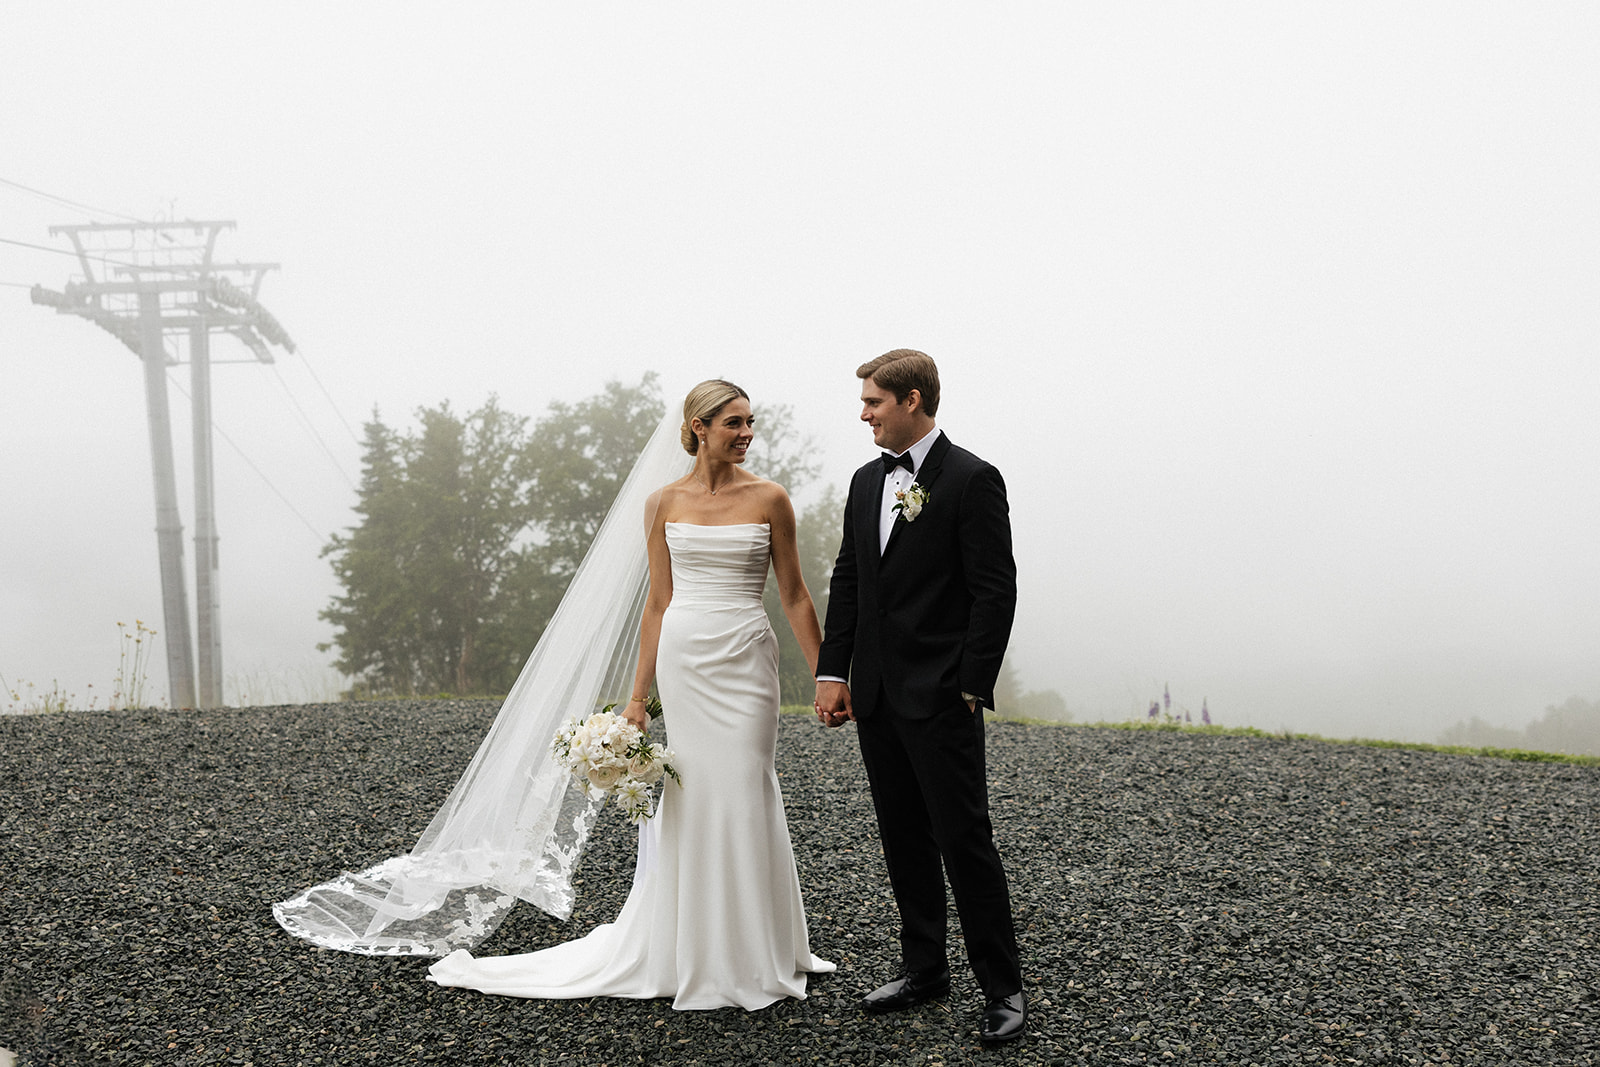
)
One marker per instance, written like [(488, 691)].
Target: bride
[(715, 916)]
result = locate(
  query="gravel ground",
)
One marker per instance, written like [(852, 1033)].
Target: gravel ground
[(1181, 898)]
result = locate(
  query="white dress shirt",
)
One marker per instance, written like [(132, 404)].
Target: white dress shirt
[(897, 481)]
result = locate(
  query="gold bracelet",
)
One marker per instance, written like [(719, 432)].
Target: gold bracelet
[(642, 700)]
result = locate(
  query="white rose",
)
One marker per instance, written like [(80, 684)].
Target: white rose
[(647, 771), (606, 775)]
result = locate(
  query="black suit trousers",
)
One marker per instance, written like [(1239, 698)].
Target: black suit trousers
[(930, 791)]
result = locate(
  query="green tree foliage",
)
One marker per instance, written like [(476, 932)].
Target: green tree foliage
[(1572, 728), (470, 529), (1012, 701), (424, 572), (782, 454), (575, 462), (577, 459)]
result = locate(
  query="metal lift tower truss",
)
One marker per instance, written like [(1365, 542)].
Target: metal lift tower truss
[(157, 288)]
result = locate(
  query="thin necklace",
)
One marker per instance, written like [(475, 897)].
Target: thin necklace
[(707, 488)]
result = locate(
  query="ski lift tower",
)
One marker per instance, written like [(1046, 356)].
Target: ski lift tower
[(156, 287)]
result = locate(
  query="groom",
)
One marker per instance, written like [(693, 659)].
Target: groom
[(919, 612)]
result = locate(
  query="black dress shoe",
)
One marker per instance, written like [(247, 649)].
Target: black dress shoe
[(1004, 1019), (909, 989)]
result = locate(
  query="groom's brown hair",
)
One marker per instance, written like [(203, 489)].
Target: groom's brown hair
[(903, 370)]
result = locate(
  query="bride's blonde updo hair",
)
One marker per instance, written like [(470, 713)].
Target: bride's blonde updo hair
[(703, 403)]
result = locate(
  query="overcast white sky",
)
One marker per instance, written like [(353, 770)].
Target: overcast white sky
[(1281, 320)]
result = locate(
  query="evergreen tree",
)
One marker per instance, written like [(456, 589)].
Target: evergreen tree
[(424, 572), (577, 459), (373, 616)]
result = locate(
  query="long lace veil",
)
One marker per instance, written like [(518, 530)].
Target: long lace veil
[(515, 824)]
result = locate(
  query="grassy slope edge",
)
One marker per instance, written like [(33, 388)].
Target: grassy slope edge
[(1526, 755)]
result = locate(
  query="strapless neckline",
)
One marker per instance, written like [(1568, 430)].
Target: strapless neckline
[(718, 525)]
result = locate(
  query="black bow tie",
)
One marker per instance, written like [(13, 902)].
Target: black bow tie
[(902, 460)]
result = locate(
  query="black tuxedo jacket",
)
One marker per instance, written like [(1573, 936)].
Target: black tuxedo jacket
[(930, 618)]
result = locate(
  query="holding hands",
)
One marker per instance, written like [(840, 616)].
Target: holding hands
[(833, 704)]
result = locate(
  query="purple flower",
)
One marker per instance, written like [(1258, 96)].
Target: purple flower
[(1205, 712), (1155, 709), (1166, 697)]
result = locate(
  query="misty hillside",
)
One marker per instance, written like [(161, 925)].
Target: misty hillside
[(1572, 728), (1180, 898)]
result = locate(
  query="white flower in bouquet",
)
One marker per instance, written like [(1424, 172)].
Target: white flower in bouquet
[(645, 767), (591, 751), (633, 797), (610, 756), (605, 776)]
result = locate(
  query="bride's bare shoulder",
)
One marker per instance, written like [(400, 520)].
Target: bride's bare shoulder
[(774, 500), (770, 490), (664, 498)]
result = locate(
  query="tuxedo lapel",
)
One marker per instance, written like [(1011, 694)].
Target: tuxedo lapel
[(871, 510)]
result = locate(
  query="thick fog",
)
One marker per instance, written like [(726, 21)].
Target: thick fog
[(1280, 321)]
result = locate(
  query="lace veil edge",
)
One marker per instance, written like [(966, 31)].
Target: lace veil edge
[(514, 825)]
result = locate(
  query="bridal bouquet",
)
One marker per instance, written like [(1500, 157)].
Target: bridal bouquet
[(610, 757)]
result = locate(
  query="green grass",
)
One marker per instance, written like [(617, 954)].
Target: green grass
[(1171, 727), (1526, 755)]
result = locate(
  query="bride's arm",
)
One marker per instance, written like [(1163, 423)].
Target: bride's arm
[(655, 606), (792, 591)]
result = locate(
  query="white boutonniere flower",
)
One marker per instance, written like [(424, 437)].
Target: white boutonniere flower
[(911, 499)]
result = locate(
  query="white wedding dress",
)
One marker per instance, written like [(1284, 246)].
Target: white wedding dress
[(714, 918)]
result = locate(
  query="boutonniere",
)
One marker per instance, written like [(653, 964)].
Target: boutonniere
[(911, 499)]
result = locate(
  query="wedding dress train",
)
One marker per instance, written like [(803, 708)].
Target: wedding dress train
[(715, 917)]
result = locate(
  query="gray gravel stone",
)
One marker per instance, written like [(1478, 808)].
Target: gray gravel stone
[(1181, 898)]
